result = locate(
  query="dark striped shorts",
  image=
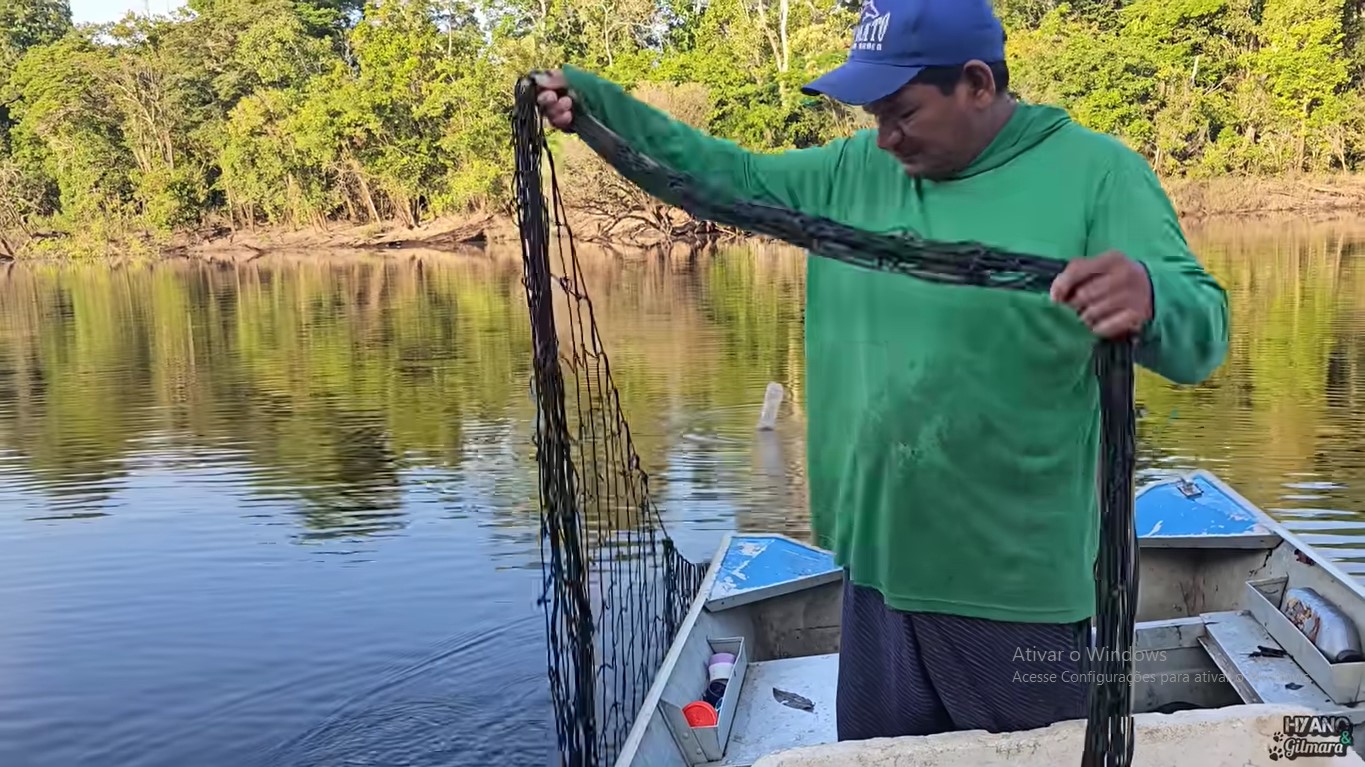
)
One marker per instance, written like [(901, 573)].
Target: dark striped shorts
[(923, 673)]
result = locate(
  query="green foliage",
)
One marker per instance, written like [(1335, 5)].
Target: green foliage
[(26, 24), (299, 112)]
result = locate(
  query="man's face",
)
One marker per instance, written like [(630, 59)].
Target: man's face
[(932, 134)]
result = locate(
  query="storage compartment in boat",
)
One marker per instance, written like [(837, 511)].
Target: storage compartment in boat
[(702, 744), (1344, 682)]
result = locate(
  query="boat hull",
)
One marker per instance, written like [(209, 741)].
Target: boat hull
[(1212, 567)]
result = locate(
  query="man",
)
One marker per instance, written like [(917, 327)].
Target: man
[(953, 431)]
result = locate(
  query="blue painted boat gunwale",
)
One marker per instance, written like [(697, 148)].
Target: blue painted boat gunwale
[(1197, 510), (761, 566), (757, 567)]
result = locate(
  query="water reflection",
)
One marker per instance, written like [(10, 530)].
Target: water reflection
[(284, 513), (256, 509), (1280, 420)]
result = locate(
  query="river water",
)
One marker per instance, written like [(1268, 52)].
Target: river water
[(284, 513)]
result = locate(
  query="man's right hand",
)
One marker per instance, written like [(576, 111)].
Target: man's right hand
[(552, 99)]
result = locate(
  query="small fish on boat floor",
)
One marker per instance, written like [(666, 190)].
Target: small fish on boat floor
[(793, 700)]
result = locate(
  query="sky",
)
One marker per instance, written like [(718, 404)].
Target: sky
[(110, 10)]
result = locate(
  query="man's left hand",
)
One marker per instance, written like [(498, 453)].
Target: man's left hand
[(1111, 292)]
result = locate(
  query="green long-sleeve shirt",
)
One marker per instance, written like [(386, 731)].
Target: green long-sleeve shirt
[(952, 431)]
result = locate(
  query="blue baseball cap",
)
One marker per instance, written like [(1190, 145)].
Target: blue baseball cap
[(894, 40)]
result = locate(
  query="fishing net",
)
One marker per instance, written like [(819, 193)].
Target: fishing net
[(1109, 733), (616, 588)]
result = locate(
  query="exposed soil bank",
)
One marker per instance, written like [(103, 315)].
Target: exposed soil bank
[(441, 235), (1198, 202), (1253, 197)]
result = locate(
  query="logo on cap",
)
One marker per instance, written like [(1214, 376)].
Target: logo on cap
[(871, 28)]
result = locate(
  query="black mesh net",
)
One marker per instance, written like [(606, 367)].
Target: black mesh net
[(616, 588), (642, 596)]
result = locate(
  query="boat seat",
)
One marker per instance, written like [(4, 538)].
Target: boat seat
[(1232, 637)]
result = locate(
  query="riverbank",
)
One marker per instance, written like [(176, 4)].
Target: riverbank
[(442, 234), (1227, 197), (1198, 202)]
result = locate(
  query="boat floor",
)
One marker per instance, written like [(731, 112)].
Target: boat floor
[(764, 725)]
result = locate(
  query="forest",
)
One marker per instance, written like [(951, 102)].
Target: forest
[(306, 113)]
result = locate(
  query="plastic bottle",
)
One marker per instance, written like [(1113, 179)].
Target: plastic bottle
[(1329, 629), (772, 400)]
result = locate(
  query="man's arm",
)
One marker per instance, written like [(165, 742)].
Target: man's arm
[(1186, 338), (802, 179)]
